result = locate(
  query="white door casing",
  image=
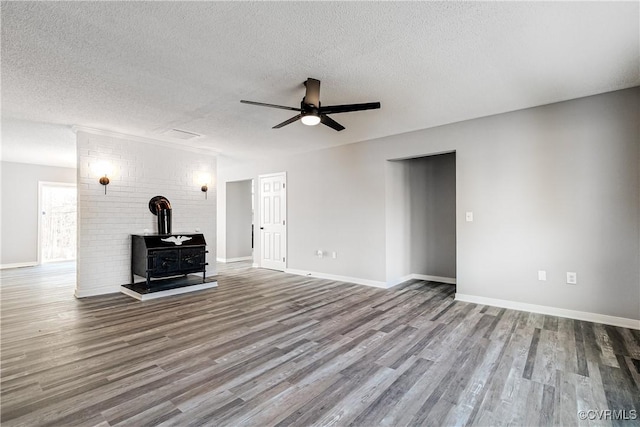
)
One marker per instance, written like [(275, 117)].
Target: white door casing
[(273, 221)]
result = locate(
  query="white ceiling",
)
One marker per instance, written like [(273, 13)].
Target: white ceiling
[(142, 68)]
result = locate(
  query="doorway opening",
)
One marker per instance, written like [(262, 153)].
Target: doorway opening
[(239, 216), (421, 219), (57, 225)]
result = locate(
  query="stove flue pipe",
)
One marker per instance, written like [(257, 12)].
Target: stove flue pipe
[(161, 207)]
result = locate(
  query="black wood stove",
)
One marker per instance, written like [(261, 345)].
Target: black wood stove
[(168, 255), (168, 258)]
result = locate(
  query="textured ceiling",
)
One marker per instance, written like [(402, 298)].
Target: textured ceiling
[(143, 68)]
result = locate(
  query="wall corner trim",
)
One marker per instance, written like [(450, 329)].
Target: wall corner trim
[(553, 311), (356, 280)]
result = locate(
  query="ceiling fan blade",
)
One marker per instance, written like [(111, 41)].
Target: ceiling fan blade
[(262, 104), (333, 109), (287, 122), (312, 95), (326, 120)]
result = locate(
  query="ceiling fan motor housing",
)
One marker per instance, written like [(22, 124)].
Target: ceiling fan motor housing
[(309, 109)]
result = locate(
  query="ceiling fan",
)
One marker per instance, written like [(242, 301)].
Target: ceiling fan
[(312, 113)]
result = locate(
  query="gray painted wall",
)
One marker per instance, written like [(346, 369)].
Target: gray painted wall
[(19, 201), (553, 188), (432, 189), (239, 219)]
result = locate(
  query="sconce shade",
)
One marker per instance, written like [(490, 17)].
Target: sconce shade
[(104, 181)]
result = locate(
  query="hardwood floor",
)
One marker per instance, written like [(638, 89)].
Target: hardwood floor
[(270, 349)]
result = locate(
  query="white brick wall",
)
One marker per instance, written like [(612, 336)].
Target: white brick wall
[(141, 170)]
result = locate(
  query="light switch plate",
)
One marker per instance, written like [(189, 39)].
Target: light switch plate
[(469, 216)]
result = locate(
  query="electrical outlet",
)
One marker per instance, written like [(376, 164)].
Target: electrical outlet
[(469, 216), (542, 275), (572, 278), (334, 255), (319, 253)]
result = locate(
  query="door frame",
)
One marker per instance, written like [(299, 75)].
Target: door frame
[(258, 195), (398, 272), (251, 258), (42, 184)]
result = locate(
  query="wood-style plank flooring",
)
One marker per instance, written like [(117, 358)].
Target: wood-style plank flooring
[(270, 349)]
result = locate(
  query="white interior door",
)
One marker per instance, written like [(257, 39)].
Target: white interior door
[(273, 221)]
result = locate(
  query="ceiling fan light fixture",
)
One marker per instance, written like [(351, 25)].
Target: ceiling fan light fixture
[(310, 119)]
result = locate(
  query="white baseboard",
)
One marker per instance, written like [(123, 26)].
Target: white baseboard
[(552, 311), (414, 276), (226, 260), (440, 279), (369, 282), (19, 265), (255, 265), (396, 282), (356, 280), (93, 292)]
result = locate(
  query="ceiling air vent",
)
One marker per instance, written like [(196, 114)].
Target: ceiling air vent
[(181, 134)]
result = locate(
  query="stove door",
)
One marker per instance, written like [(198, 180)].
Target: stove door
[(192, 259), (164, 263)]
